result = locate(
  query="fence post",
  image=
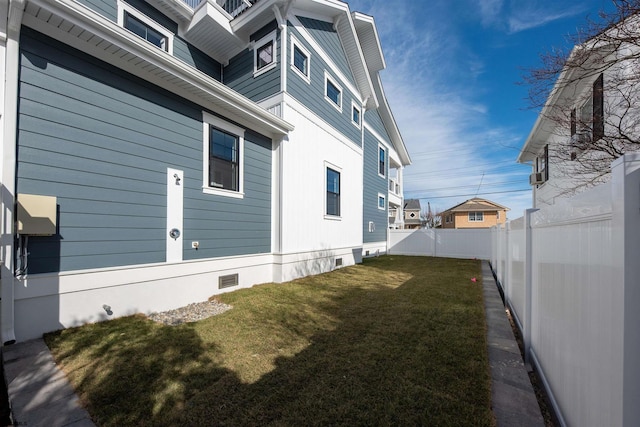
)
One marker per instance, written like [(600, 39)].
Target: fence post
[(528, 284), (625, 188)]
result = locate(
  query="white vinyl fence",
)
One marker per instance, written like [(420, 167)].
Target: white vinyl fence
[(571, 277), (450, 243)]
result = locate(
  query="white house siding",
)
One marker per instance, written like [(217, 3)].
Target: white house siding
[(311, 241)]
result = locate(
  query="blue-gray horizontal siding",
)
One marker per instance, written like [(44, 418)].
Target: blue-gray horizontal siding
[(312, 94), (238, 74), (100, 140), (373, 184), (327, 37), (373, 119)]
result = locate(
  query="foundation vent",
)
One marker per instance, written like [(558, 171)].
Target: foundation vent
[(227, 281), (338, 262)]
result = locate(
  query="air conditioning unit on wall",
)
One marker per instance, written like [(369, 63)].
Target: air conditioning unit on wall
[(536, 178)]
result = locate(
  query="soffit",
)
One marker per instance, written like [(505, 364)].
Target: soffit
[(82, 28)]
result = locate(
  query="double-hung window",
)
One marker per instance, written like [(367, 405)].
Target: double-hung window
[(382, 201), (333, 192), (144, 27), (223, 157)]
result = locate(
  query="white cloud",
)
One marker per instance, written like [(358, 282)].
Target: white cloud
[(526, 18), (430, 83)]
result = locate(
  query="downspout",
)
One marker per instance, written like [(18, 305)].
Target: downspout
[(9, 120)]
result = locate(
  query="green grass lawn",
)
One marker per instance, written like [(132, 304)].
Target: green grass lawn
[(394, 341)]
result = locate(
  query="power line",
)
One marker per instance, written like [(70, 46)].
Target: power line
[(469, 195)]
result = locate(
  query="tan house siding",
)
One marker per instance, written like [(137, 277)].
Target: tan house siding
[(458, 216)]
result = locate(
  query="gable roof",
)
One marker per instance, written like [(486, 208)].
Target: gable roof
[(477, 205), (412, 204)]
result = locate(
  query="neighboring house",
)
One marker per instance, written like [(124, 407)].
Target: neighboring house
[(474, 213), (412, 218), (163, 151), (591, 116)]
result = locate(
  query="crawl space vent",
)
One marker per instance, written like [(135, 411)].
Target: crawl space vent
[(338, 262), (227, 281)]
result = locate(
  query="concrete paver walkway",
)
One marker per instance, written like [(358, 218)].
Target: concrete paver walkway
[(512, 397), (40, 394)]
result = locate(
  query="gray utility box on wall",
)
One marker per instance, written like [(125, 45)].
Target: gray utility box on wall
[(36, 215)]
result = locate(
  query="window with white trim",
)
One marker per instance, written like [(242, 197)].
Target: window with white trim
[(382, 201), (144, 27), (382, 161), (300, 60), (476, 216), (223, 166), (332, 92), (264, 54), (333, 192), (356, 115)]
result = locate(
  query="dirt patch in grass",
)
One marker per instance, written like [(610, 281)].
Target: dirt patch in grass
[(395, 341)]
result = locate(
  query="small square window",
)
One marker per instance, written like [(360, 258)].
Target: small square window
[(333, 92), (265, 55)]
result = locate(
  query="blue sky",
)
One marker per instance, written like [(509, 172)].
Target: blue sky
[(453, 68)]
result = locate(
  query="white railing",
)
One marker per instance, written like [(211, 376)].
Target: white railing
[(571, 277), (232, 7), (394, 187)]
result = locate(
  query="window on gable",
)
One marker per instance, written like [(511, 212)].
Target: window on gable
[(476, 216), (382, 161), (144, 27), (223, 157), (333, 92), (333, 192), (264, 54), (382, 201), (300, 60), (355, 115)]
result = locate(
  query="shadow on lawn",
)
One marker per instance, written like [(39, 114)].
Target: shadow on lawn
[(386, 363)]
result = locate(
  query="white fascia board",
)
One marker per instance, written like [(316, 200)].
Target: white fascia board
[(369, 40), (349, 37), (391, 125), (111, 32)]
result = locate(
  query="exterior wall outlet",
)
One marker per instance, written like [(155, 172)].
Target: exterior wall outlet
[(195, 245)]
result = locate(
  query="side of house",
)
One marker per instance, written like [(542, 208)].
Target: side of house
[(589, 119), (181, 150)]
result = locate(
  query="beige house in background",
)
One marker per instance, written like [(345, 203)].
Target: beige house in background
[(474, 213)]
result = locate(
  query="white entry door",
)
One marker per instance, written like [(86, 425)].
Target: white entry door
[(175, 185)]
